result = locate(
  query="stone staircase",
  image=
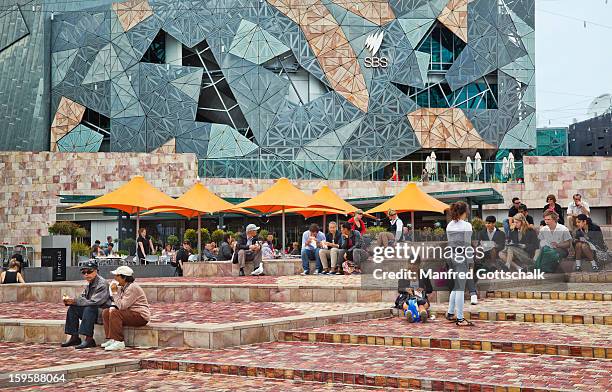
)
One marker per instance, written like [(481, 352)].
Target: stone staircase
[(294, 333)]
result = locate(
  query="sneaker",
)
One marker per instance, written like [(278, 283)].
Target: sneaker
[(578, 268), (115, 346), (474, 299), (258, 271), (316, 272), (339, 272), (595, 267), (305, 272), (107, 343)]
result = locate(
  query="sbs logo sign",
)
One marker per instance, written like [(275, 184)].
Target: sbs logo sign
[(372, 43)]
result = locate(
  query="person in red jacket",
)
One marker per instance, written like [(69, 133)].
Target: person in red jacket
[(357, 222)]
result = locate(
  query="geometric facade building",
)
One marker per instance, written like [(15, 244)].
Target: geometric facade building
[(290, 87)]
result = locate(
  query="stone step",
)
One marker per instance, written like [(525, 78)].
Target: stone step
[(234, 289), (555, 339), (154, 379), (590, 277), (557, 295), (534, 310), (392, 367), (190, 324)]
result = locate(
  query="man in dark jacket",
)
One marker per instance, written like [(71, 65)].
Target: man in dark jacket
[(351, 246), (249, 249), (225, 250), (87, 308), (492, 241), (182, 257)]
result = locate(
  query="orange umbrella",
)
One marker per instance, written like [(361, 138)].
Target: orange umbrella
[(281, 196), (135, 196), (198, 200), (411, 199), (327, 196)]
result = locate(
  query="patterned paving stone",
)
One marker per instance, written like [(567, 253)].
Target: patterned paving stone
[(27, 356), (555, 339), (535, 310), (195, 312), (166, 380), (385, 366), (283, 281)]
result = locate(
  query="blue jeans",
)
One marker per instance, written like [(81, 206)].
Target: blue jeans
[(506, 223), (311, 254), (88, 316)]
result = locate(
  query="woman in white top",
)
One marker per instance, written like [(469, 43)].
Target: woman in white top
[(169, 253), (459, 234)]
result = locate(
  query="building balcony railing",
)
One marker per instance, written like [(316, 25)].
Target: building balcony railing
[(273, 168)]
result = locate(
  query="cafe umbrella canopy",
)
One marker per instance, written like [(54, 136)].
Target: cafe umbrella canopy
[(327, 196), (197, 201), (133, 197), (411, 199), (281, 196)]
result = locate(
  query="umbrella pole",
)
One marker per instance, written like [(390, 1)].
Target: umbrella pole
[(199, 237), (324, 220), (284, 239), (412, 222), (137, 221)]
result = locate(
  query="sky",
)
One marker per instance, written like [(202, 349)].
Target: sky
[(573, 63)]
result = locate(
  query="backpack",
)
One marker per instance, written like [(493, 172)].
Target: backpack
[(413, 309), (548, 260)]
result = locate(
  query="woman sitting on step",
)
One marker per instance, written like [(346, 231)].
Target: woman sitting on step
[(13, 273), (129, 308)]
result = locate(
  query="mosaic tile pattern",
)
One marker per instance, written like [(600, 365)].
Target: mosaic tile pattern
[(555, 339), (557, 295), (193, 312), (535, 310), (67, 117), (161, 380), (386, 366)]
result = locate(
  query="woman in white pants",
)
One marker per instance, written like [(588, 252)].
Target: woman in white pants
[(459, 235)]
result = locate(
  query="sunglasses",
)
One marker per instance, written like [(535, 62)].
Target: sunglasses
[(87, 272), (517, 202)]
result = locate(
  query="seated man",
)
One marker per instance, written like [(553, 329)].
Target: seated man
[(492, 241), (555, 240), (575, 208), (312, 240), (332, 241), (109, 250), (227, 248), (208, 252), (589, 240), (87, 308), (249, 249), (351, 247), (394, 234)]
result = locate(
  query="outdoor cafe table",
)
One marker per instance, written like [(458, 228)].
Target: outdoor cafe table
[(110, 260)]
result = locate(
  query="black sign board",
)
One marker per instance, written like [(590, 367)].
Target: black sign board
[(56, 258)]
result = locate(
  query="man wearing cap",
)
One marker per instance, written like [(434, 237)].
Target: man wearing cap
[(394, 234), (87, 308), (129, 308), (249, 249)]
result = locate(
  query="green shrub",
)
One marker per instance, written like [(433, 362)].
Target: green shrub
[(128, 245), (63, 228), (79, 233), (374, 230), (217, 236), (439, 232), (499, 225), (477, 224), (172, 240), (123, 253), (191, 236), (205, 236), (263, 233), (79, 249)]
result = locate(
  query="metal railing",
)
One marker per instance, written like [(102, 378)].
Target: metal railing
[(273, 168)]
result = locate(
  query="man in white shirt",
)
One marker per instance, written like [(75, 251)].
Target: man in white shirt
[(575, 208), (554, 235)]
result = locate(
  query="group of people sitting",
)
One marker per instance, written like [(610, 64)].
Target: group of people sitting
[(114, 304), (99, 250), (525, 246)]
